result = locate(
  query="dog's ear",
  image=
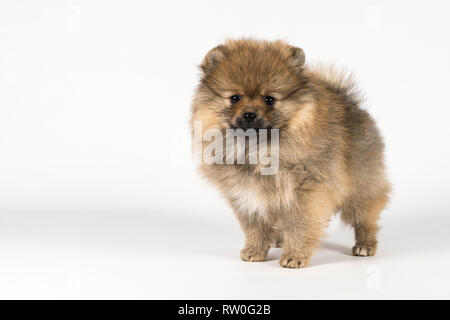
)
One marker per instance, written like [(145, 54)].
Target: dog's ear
[(297, 57), (213, 57)]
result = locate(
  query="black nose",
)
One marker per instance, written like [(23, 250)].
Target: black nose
[(249, 117)]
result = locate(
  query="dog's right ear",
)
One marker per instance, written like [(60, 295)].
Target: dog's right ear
[(213, 57)]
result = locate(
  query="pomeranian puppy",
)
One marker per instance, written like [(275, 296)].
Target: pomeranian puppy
[(329, 150)]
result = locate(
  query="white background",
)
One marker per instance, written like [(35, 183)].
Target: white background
[(98, 194)]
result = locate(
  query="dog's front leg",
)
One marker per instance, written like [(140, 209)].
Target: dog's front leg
[(303, 227), (258, 236)]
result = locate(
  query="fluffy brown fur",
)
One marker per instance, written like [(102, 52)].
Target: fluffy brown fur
[(331, 152)]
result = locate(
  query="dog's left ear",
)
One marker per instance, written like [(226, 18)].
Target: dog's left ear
[(297, 57)]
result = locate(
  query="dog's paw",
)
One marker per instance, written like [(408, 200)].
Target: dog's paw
[(364, 250), (253, 254), (292, 261)]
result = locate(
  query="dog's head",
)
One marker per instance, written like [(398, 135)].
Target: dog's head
[(251, 84)]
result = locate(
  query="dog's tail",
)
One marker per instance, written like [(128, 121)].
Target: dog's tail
[(338, 79)]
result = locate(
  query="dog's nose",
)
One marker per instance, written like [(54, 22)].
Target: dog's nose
[(249, 117)]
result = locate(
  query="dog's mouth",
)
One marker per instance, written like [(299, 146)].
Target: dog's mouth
[(233, 127), (245, 126)]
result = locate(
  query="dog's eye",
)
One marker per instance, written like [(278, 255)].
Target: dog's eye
[(235, 98), (269, 100)]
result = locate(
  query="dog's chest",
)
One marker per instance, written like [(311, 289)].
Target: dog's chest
[(262, 199), (251, 201)]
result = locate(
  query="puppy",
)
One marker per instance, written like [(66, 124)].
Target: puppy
[(330, 152)]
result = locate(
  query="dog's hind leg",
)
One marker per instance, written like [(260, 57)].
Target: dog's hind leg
[(363, 214)]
